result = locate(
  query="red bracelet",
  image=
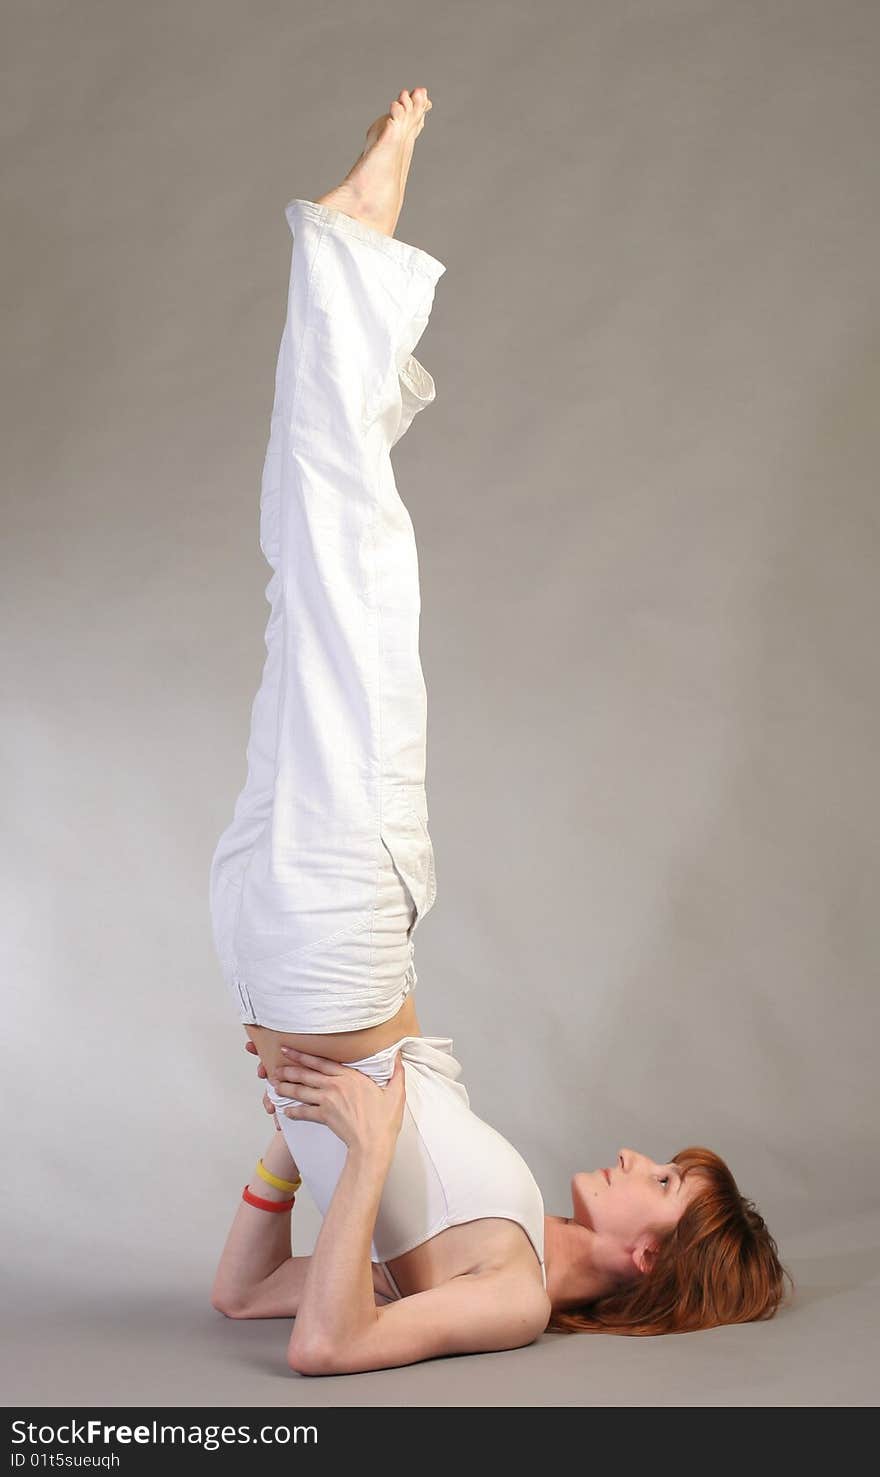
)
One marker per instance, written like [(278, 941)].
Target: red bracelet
[(262, 1204)]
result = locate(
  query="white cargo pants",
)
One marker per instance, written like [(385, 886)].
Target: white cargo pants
[(321, 878)]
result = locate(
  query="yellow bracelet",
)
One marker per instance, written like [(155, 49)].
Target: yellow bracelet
[(275, 1179)]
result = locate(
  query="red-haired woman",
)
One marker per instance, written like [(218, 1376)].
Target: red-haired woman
[(434, 1238)]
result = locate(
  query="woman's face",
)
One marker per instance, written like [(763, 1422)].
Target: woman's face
[(631, 1200)]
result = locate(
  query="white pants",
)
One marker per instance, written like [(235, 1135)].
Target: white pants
[(320, 880)]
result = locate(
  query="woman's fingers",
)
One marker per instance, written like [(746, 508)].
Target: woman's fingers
[(270, 1108), (317, 1063), (306, 1094), (252, 1048), (299, 1075)]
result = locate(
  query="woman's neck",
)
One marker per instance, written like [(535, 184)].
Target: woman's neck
[(580, 1267)]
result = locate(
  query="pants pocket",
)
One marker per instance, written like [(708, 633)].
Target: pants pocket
[(408, 842), (417, 389)]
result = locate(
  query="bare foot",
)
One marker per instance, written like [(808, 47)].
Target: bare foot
[(373, 189)]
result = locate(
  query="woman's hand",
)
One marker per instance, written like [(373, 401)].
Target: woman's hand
[(360, 1112), (261, 1072)]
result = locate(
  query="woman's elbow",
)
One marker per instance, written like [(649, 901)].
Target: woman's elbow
[(229, 1306), (314, 1359)]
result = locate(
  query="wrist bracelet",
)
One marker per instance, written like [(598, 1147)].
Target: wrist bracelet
[(275, 1179), (261, 1204)]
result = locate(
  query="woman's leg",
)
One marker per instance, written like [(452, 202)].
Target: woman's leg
[(333, 815)]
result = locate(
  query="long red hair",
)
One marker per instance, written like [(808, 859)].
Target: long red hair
[(718, 1265)]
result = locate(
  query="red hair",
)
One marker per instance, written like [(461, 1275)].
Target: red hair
[(718, 1265)]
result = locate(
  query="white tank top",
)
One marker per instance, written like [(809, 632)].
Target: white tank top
[(449, 1165)]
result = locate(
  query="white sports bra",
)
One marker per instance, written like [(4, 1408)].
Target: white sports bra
[(449, 1165)]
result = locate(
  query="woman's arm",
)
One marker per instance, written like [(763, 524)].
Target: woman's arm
[(338, 1327), (470, 1314), (337, 1307), (259, 1240), (340, 1330), (338, 1303)]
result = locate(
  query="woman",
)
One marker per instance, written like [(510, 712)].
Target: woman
[(434, 1238)]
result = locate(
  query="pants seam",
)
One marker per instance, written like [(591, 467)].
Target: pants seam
[(379, 734), (297, 369)]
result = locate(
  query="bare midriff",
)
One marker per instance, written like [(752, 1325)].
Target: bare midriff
[(340, 1046)]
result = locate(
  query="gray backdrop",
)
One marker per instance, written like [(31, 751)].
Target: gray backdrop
[(648, 533)]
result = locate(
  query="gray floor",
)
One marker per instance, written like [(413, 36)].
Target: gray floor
[(160, 1345)]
